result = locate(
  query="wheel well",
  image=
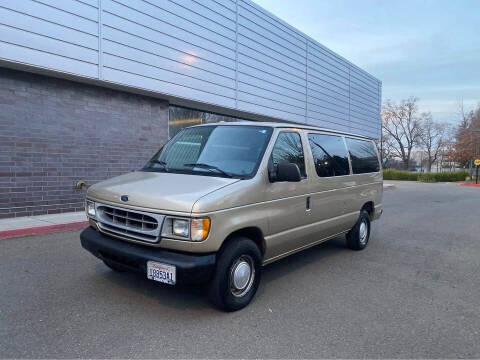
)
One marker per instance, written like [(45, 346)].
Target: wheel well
[(253, 233), (368, 206)]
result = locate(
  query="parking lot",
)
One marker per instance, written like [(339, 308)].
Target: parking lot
[(414, 292)]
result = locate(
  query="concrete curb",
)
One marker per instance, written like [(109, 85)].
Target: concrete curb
[(47, 229), (389, 186), (471, 185)]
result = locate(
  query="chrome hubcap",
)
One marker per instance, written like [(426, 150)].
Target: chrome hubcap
[(363, 232), (242, 276)]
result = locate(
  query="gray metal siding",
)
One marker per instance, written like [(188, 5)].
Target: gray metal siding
[(271, 72), (170, 48), (231, 54), (55, 34)]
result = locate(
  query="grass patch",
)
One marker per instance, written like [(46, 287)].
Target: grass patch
[(392, 174)]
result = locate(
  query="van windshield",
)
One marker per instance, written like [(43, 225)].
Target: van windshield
[(225, 151)]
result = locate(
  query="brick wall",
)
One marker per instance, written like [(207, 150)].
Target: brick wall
[(55, 132)]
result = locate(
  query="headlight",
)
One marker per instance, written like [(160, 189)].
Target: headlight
[(180, 227), (90, 208), (185, 228)]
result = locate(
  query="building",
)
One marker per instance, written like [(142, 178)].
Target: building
[(90, 89)]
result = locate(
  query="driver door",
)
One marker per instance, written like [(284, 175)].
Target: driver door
[(287, 201)]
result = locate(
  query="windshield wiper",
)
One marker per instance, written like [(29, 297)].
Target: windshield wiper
[(160, 162), (209, 167)]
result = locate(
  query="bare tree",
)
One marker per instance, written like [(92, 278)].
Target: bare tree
[(466, 117), (401, 125), (467, 137), (385, 147), (433, 139)]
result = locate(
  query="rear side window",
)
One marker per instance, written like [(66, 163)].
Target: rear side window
[(288, 148), (363, 155), (329, 155)]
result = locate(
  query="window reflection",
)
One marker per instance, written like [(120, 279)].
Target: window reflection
[(363, 155), (288, 148), (329, 155), (179, 118)]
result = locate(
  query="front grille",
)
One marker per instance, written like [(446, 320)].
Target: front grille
[(128, 223)]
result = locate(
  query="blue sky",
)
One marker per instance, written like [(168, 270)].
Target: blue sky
[(426, 48)]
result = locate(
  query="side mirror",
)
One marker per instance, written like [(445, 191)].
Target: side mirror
[(288, 172)]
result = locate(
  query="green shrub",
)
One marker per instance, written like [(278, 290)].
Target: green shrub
[(453, 176), (392, 174), (427, 177)]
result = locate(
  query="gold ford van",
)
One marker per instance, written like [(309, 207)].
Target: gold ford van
[(219, 201)]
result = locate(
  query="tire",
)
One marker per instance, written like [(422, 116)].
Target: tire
[(113, 266), (227, 291), (358, 236)]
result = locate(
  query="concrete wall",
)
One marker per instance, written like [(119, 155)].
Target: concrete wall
[(54, 132), (230, 54)]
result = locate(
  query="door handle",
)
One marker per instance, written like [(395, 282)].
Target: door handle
[(308, 204)]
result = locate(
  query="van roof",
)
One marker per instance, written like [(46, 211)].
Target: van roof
[(282, 125)]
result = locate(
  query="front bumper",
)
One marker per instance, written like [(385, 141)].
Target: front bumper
[(190, 268)]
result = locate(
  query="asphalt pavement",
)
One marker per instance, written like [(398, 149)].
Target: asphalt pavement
[(414, 292)]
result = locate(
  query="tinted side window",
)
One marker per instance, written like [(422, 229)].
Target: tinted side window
[(288, 148), (329, 155), (363, 156)]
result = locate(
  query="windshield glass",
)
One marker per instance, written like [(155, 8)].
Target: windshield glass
[(226, 151)]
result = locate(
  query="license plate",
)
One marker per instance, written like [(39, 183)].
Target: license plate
[(161, 272)]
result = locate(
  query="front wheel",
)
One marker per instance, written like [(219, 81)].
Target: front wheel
[(237, 274), (358, 236)]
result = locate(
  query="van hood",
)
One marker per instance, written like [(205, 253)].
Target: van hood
[(162, 191)]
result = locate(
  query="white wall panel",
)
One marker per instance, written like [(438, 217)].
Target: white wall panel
[(76, 7), (269, 20), (54, 14), (145, 57), (60, 35), (270, 53), (323, 90), (250, 56), (186, 51), (151, 84), (276, 96), (225, 53), (181, 58), (209, 9), (269, 50), (178, 48), (138, 12), (270, 36), (329, 57), (255, 76), (133, 66), (190, 11), (219, 5), (34, 25), (265, 110)]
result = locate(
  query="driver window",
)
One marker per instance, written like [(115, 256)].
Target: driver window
[(288, 148)]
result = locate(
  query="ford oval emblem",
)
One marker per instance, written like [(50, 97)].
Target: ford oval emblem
[(124, 198)]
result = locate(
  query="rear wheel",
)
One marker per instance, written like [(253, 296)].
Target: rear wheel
[(237, 274), (358, 236)]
